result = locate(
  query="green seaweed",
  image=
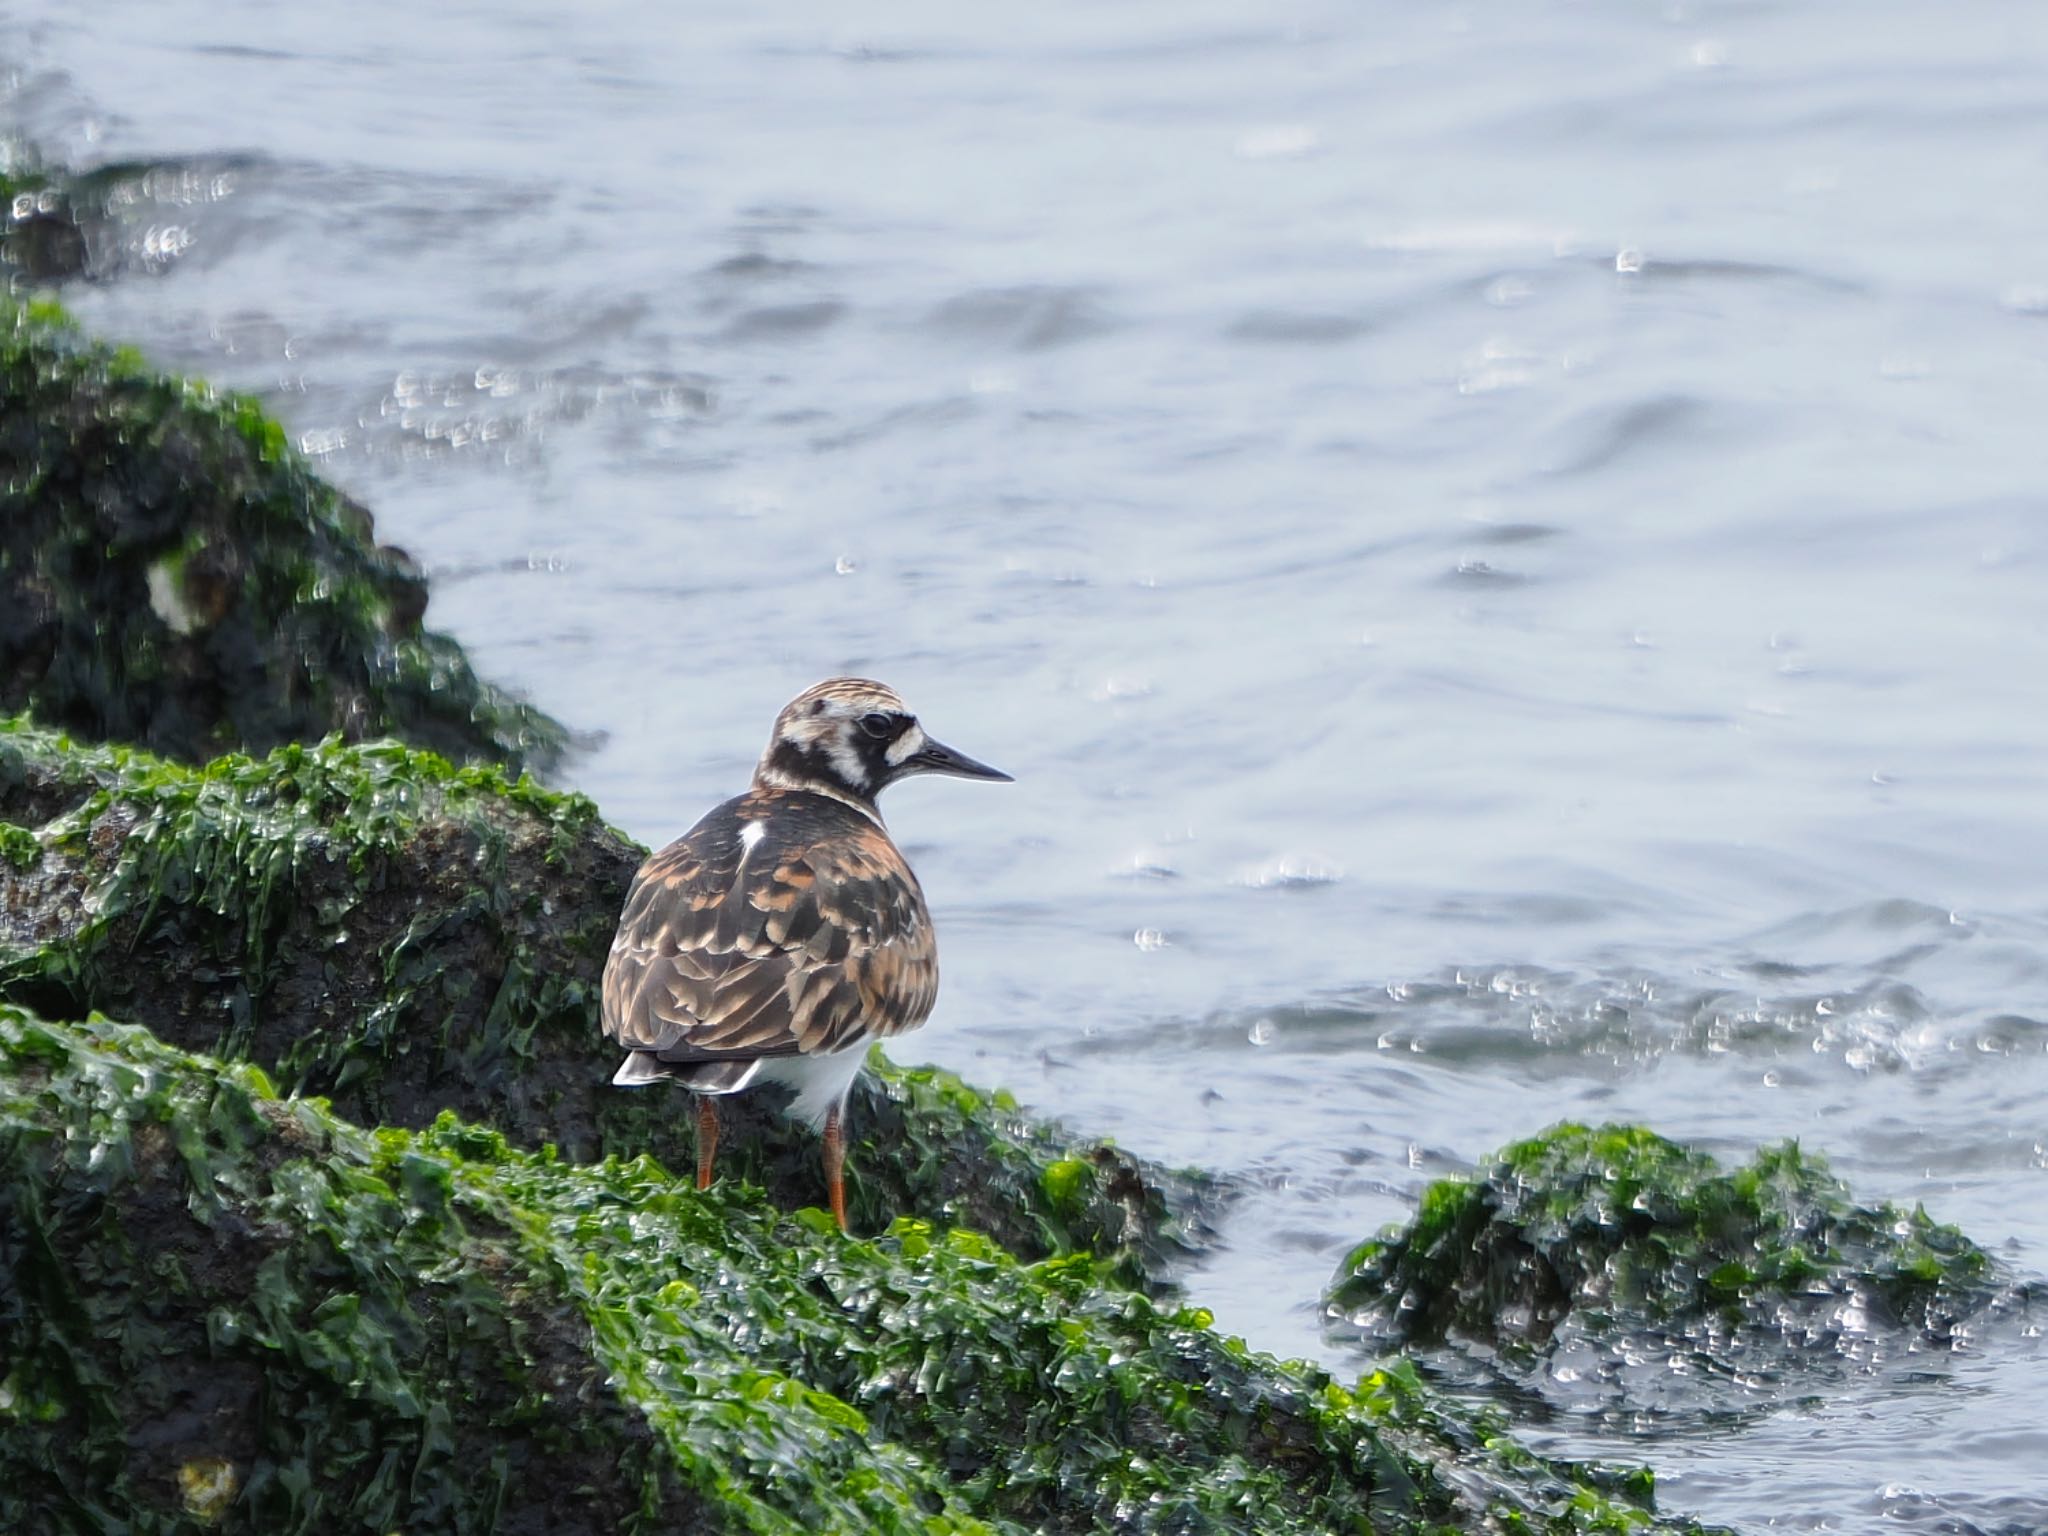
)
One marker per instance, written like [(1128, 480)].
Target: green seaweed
[(224, 1306), (172, 575), (1623, 1228), (376, 925), (220, 1308), (19, 847)]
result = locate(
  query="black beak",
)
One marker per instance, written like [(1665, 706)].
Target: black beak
[(939, 758)]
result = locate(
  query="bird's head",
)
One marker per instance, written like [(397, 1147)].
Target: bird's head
[(850, 737)]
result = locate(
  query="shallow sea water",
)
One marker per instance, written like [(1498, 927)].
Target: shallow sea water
[(1504, 545)]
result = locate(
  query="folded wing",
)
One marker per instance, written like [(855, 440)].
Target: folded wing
[(806, 937)]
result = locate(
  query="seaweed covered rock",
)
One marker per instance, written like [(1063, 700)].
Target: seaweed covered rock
[(371, 924), (173, 576), (1622, 1253), (1620, 1222), (222, 1308)]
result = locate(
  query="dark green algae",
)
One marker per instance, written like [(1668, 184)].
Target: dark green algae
[(1622, 1230), (372, 924), (173, 575), (238, 1310)]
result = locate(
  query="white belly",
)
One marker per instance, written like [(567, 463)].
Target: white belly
[(820, 1082)]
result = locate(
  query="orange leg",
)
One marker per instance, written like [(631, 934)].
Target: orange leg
[(835, 1164), (707, 1138)]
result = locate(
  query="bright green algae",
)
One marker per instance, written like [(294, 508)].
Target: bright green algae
[(227, 1308), (1625, 1229), (372, 924), (233, 1308), (173, 575), (18, 846)]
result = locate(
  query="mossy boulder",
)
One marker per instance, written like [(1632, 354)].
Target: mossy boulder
[(371, 924), (1620, 1231), (173, 576), (222, 1308)]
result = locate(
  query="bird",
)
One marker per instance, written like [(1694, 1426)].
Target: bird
[(784, 932)]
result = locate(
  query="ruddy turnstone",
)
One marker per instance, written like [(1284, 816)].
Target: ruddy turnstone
[(780, 935)]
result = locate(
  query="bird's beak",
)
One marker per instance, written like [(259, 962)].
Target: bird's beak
[(936, 757)]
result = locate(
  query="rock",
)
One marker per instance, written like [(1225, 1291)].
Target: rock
[(1621, 1252), (370, 924), (224, 1308), (102, 222), (41, 235), (173, 576)]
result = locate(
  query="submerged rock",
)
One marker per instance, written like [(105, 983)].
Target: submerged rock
[(41, 235), (173, 576), (57, 224), (370, 924), (223, 1308), (103, 221), (1650, 1269)]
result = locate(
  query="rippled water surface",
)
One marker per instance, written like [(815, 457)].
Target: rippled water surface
[(1504, 545)]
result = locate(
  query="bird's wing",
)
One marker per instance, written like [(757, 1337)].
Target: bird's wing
[(812, 940)]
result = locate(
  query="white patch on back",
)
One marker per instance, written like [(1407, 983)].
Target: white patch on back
[(750, 835), (905, 746)]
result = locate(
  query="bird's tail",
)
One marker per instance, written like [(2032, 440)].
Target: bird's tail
[(641, 1068)]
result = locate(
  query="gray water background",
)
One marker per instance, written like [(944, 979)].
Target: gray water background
[(1504, 545)]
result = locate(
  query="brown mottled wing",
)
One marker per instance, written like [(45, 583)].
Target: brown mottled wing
[(815, 940)]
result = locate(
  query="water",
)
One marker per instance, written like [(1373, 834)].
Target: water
[(1503, 545)]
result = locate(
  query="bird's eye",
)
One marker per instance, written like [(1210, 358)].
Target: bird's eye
[(878, 725)]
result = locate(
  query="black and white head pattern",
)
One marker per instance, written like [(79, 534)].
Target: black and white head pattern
[(847, 734)]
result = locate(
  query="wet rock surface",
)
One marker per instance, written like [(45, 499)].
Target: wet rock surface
[(216, 1317), (1621, 1272), (172, 576), (43, 240), (97, 223), (58, 224), (228, 1308)]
